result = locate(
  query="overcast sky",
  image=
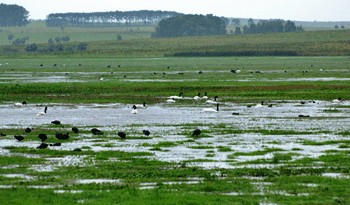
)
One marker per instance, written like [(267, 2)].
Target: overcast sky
[(306, 10)]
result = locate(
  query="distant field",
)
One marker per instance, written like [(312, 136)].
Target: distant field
[(136, 42), (152, 79), (38, 33)]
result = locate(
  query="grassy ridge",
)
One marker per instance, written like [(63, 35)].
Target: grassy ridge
[(137, 42), (150, 79)]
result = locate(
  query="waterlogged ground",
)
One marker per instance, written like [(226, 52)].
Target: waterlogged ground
[(284, 152), (238, 137)]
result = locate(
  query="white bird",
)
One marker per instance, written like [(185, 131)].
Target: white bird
[(21, 104), (141, 105), (42, 113), (172, 100), (176, 96), (338, 100), (259, 105), (205, 96), (211, 109), (134, 110), (197, 97), (215, 101)]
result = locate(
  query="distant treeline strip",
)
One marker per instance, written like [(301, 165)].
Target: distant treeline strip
[(233, 53), (108, 18)]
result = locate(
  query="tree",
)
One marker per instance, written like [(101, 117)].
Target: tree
[(342, 27), (238, 30), (289, 26), (190, 25), (236, 22), (32, 48), (10, 37), (13, 15), (119, 37), (336, 27)]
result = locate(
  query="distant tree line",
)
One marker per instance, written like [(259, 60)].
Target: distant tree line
[(110, 18), (268, 26), (13, 15), (190, 25)]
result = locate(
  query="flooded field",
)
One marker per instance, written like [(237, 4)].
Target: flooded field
[(271, 152), (170, 123)]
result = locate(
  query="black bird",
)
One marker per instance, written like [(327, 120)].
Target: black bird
[(56, 144), (235, 113), (61, 136), (196, 132), (43, 137), (65, 136), (28, 130), (146, 132), (75, 129), (96, 131), (77, 150), (18, 138), (58, 135), (122, 135), (56, 122), (42, 146), (303, 115), (2, 134)]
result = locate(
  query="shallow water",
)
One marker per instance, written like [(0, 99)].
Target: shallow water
[(167, 121)]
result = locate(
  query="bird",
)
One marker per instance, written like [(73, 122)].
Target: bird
[(65, 136), (338, 100), (77, 150), (42, 146), (146, 132), (134, 110), (21, 104), (96, 131), (56, 122), (121, 135), (28, 130), (197, 97), (303, 115), (75, 129), (205, 96), (56, 144), (143, 105), (196, 132), (18, 138), (58, 135), (42, 113), (235, 113), (215, 101), (172, 100), (180, 96), (261, 104), (42, 137), (212, 109), (2, 134)]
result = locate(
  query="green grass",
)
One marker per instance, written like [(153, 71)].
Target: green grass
[(142, 84)]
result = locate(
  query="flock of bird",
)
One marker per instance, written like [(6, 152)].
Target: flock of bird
[(65, 136)]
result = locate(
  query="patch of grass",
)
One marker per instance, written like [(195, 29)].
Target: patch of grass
[(201, 147), (329, 142), (224, 149)]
